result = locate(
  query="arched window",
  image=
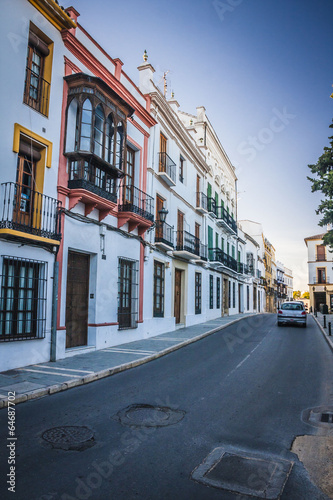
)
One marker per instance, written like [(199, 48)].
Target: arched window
[(85, 139), (109, 141), (119, 144), (99, 131), (72, 127)]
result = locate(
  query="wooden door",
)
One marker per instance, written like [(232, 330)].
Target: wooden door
[(77, 299), (180, 229), (126, 270), (178, 294)]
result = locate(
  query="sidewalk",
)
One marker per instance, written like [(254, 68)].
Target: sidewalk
[(35, 381), (320, 322)]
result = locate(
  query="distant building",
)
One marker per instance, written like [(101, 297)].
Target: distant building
[(320, 277), (289, 282)]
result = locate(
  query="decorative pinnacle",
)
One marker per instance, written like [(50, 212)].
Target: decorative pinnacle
[(172, 94), (145, 56)]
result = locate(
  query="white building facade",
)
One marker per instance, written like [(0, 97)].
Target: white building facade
[(320, 277)]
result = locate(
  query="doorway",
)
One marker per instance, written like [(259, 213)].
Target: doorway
[(178, 294), (77, 299), (225, 302)]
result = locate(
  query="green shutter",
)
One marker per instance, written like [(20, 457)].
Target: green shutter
[(238, 256), (216, 240), (222, 244), (209, 190), (233, 251), (210, 237), (228, 248), (216, 199)]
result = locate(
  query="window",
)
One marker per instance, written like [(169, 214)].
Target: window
[(218, 292), (229, 295), (321, 253), (181, 169), (233, 251), (96, 125), (38, 67), (23, 299), (163, 150), (248, 298), (129, 176), (89, 175), (321, 275), (233, 294), (127, 293), (158, 289), (211, 291), (197, 293)]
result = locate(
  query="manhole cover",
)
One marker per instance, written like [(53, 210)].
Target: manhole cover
[(321, 416), (142, 415), (69, 437), (244, 473)]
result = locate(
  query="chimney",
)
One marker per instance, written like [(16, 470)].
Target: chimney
[(73, 14), (146, 75)]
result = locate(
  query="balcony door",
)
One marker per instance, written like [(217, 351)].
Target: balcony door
[(180, 230), (24, 192), (321, 273), (163, 149), (77, 299)]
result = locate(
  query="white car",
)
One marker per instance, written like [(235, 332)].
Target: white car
[(292, 313)]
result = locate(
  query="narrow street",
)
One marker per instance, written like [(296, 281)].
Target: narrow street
[(242, 389)]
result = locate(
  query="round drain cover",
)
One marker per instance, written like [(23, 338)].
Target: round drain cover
[(69, 437), (142, 415)]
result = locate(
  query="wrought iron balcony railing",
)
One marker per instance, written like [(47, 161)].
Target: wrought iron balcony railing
[(211, 203), (217, 255), (167, 165), (88, 176), (203, 251), (36, 92), (222, 213), (26, 210), (202, 201), (240, 268), (321, 281), (164, 233), (187, 242), (138, 202)]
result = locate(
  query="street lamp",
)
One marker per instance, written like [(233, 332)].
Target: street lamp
[(163, 213)]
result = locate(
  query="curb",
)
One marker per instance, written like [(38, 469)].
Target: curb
[(87, 379), (329, 341)]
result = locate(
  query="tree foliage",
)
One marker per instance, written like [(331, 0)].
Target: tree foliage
[(306, 295), (297, 294), (323, 181)]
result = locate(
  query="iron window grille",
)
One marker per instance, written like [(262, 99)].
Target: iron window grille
[(211, 291), (158, 289), (197, 293), (23, 299), (218, 292), (127, 293)]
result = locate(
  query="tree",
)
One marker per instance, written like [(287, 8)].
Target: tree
[(323, 182), (297, 294), (306, 295)]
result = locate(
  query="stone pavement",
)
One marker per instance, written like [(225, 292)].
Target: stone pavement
[(35, 381), (320, 321)]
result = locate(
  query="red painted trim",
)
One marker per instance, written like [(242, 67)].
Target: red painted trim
[(95, 43), (62, 183), (141, 287), (72, 66), (95, 66), (117, 72), (145, 164), (61, 328), (102, 324), (141, 129)]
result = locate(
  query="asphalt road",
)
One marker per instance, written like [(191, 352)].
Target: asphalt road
[(243, 388)]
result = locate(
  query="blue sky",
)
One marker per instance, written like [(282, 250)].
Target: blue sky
[(263, 71)]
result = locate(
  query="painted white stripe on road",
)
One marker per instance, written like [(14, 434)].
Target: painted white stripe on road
[(247, 357), (62, 369), (50, 373)]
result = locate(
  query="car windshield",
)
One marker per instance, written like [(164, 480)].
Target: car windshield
[(292, 307)]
